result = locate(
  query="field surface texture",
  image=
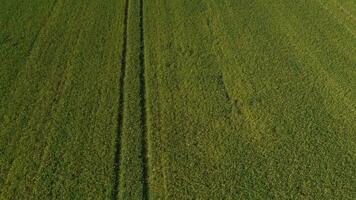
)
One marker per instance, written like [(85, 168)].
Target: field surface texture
[(177, 99)]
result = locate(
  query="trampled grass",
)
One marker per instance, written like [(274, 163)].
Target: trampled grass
[(215, 99)]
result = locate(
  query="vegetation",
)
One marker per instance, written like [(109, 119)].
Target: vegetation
[(215, 99), (251, 100), (58, 122)]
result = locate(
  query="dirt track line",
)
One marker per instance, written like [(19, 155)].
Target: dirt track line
[(120, 119), (143, 103)]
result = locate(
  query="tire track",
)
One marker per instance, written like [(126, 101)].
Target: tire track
[(117, 150), (144, 141)]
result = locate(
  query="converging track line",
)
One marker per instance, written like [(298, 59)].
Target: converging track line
[(117, 151), (143, 105)]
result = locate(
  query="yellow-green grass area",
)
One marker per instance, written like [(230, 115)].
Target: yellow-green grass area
[(60, 71), (179, 99), (250, 100), (343, 11)]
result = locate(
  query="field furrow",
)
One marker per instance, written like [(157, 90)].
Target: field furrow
[(133, 183), (144, 143), (117, 151)]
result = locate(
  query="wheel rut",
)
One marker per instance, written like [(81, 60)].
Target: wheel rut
[(142, 102), (143, 105), (117, 151)]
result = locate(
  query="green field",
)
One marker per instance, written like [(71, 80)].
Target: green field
[(178, 99)]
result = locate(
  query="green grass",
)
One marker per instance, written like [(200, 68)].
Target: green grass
[(255, 100), (59, 122), (215, 99)]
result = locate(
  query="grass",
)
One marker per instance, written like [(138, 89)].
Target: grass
[(255, 100), (60, 118), (215, 99)]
